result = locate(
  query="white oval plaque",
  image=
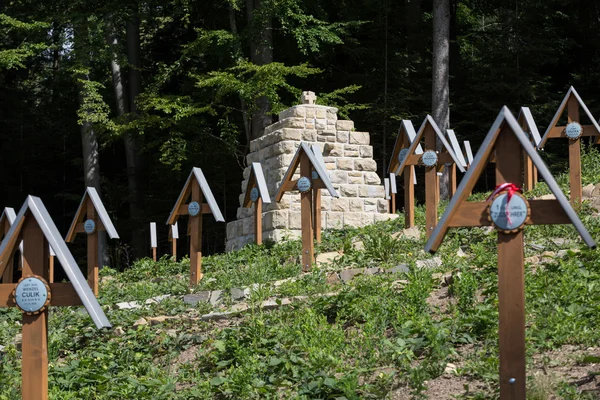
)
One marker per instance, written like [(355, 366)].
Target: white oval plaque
[(402, 155), (254, 194), (32, 294), (515, 218), (89, 226), (315, 175), (193, 208), (304, 184), (429, 158), (573, 130)]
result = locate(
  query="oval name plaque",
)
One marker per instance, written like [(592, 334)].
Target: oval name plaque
[(402, 155), (32, 294), (429, 158), (315, 175), (517, 215), (254, 194), (89, 226), (304, 184), (193, 208), (574, 130)]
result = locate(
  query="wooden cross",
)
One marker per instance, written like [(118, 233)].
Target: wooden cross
[(308, 162), (90, 218), (574, 131), (506, 139), (33, 294), (257, 194), (173, 236), (433, 161), (196, 189), (153, 240)]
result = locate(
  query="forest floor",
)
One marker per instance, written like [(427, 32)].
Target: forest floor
[(376, 318)]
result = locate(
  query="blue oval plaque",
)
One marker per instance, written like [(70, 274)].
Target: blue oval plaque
[(512, 216), (32, 295), (402, 155), (194, 208), (89, 226), (573, 130), (429, 158), (304, 184), (315, 175), (254, 194)]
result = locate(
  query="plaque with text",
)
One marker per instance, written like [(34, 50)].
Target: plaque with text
[(573, 130), (429, 158), (193, 208), (402, 155), (32, 295), (304, 184), (509, 216), (89, 226), (254, 194)]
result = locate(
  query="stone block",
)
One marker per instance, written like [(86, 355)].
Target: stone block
[(330, 166), (248, 226), (327, 132), (309, 135), (286, 147), (295, 111), (370, 208), (326, 202), (252, 157), (348, 190), (295, 220), (320, 124), (193, 299), (311, 112), (254, 146), (355, 177), (333, 220), (246, 173), (371, 178), (384, 217), (367, 218), (346, 164), (321, 112), (321, 139), (244, 186), (382, 205), (356, 205), (289, 134), (350, 153), (333, 150), (353, 219), (293, 122), (365, 164), (330, 139), (275, 220), (339, 204), (338, 177), (359, 137), (342, 136), (272, 128), (344, 125), (366, 151), (331, 114)]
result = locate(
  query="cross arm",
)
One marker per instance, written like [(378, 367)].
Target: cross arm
[(559, 131)]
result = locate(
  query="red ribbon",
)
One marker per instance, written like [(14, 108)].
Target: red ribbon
[(511, 188)]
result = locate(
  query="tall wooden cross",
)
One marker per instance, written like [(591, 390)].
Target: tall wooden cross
[(33, 294), (574, 131), (508, 211), (257, 194), (90, 218), (530, 174), (196, 189), (433, 161), (406, 135), (305, 184)]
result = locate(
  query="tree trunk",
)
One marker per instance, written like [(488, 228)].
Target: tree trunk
[(133, 142), (261, 53), (237, 53), (440, 97)]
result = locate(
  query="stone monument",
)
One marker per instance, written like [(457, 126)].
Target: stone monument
[(349, 161)]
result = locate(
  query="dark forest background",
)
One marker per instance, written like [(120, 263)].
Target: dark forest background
[(129, 95)]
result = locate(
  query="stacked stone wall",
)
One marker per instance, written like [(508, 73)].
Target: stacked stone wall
[(348, 158)]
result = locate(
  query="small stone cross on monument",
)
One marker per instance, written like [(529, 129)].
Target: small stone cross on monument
[(308, 98)]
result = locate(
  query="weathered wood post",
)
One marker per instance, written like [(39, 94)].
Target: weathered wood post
[(307, 161), (430, 159), (91, 217), (508, 211), (574, 131), (33, 294), (153, 240), (528, 125), (196, 189), (257, 194), (393, 192), (173, 236), (459, 156)]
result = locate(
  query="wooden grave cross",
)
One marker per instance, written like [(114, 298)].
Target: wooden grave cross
[(173, 236), (196, 189), (153, 240), (307, 161), (393, 192), (574, 131), (33, 294), (257, 194), (90, 218), (506, 139), (433, 161), (530, 174), (406, 135)]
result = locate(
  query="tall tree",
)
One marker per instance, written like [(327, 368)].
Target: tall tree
[(440, 94)]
